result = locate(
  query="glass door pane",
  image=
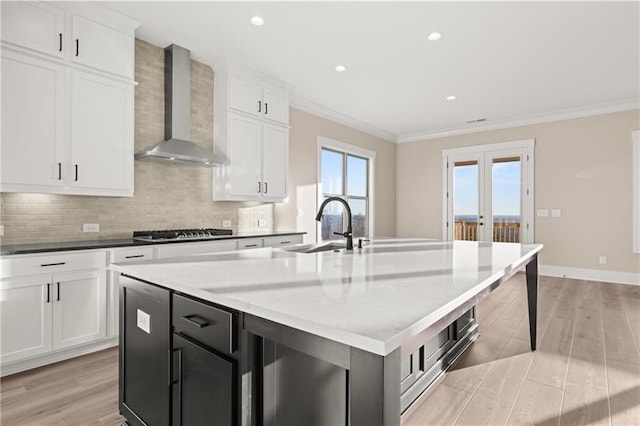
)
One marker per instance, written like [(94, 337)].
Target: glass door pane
[(466, 186), (506, 203)]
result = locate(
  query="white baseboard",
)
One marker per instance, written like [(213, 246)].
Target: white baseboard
[(50, 358), (590, 274)]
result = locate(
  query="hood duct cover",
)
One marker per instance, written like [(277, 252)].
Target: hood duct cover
[(177, 146)]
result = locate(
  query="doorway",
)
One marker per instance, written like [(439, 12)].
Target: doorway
[(488, 192)]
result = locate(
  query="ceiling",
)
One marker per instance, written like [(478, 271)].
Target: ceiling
[(506, 62)]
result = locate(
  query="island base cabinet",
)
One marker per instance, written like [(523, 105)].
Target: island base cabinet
[(145, 333), (203, 386)]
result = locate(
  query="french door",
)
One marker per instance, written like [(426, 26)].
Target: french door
[(488, 193)]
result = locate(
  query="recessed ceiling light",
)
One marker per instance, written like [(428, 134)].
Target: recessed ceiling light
[(451, 98), (257, 20), (434, 36), (341, 68)]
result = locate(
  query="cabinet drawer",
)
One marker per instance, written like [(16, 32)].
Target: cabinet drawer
[(132, 254), (53, 263), (210, 326), (284, 240), (189, 249), (250, 243)]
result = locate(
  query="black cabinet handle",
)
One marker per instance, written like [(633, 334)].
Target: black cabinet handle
[(285, 242), (53, 264), (259, 106), (48, 292), (259, 187), (266, 188), (196, 320), (58, 298), (77, 47), (76, 167), (266, 108), (59, 171), (60, 42), (250, 245), (134, 256)]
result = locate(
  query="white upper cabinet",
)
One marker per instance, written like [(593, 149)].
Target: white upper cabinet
[(101, 135), (67, 104), (251, 131), (34, 25), (32, 122), (101, 47)]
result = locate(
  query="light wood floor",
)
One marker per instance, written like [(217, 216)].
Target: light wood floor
[(586, 369)]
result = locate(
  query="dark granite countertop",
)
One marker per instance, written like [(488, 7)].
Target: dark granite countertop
[(11, 249)]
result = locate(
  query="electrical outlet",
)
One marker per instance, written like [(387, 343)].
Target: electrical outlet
[(226, 224), (603, 260), (91, 227), (556, 213), (542, 213), (262, 223)]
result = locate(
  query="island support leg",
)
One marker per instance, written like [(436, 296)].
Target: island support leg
[(532, 298), (374, 389)]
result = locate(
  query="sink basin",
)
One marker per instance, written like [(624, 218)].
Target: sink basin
[(314, 248)]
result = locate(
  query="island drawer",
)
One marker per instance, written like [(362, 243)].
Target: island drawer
[(211, 326)]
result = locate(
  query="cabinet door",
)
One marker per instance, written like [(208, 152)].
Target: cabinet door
[(25, 318), (79, 308), (32, 123), (275, 160), (34, 25), (101, 136), (102, 47), (276, 105), (204, 391), (245, 96), (244, 152)]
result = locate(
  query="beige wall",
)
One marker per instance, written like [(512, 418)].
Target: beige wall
[(301, 209), (582, 166)]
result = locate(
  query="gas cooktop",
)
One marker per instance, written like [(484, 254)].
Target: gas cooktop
[(180, 234)]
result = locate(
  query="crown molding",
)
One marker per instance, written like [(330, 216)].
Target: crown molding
[(566, 114), (330, 114)]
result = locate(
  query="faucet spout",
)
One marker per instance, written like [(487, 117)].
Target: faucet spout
[(348, 234)]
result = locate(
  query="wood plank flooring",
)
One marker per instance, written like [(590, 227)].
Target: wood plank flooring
[(586, 369)]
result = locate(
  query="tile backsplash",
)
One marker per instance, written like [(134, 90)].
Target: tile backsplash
[(166, 195)]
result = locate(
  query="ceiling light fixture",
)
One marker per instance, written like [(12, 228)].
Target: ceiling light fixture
[(434, 36), (257, 21), (341, 68), (451, 98)]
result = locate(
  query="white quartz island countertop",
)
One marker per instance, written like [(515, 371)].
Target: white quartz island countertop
[(373, 298)]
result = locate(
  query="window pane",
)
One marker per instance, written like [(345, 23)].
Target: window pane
[(332, 220), (356, 176), (465, 200), (506, 199), (360, 218), (331, 173)]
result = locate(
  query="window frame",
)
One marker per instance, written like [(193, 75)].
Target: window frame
[(346, 150)]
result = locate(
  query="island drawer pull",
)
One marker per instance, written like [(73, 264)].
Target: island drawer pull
[(134, 256), (53, 264), (285, 242), (251, 245), (194, 319)]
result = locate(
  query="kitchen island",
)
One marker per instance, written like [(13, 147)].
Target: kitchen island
[(362, 312)]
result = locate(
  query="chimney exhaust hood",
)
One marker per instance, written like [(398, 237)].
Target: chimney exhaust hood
[(177, 146)]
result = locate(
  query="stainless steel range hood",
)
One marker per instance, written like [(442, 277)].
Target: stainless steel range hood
[(177, 146)]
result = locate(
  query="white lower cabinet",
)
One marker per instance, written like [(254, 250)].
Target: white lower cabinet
[(49, 305), (79, 308), (25, 318)]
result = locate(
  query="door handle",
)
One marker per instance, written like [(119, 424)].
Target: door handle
[(259, 187), (58, 298), (76, 168), (259, 106), (266, 108), (59, 42), (77, 47), (265, 188), (48, 292), (59, 171), (196, 320)]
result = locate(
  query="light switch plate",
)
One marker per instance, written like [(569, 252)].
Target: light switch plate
[(542, 213), (144, 321), (91, 227), (226, 224), (556, 213)]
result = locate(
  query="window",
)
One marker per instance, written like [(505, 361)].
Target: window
[(345, 171)]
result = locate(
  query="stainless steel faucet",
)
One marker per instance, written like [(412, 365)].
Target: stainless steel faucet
[(348, 234)]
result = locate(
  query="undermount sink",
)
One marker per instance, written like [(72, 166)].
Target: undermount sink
[(314, 248)]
